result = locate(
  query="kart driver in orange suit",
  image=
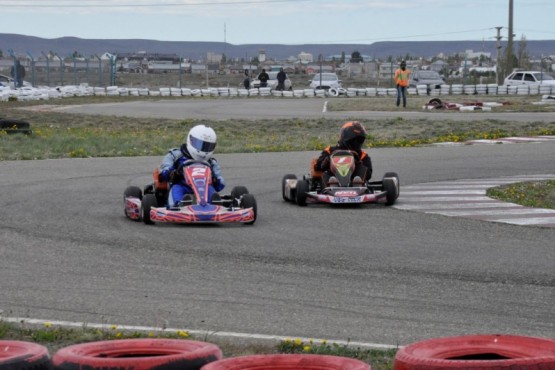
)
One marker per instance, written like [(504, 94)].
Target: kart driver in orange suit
[(351, 137)]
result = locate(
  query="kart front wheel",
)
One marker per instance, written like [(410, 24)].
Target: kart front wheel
[(248, 201), (131, 191), (396, 177), (286, 192), (149, 201), (302, 189), (390, 187)]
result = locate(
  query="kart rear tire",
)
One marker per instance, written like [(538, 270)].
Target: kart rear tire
[(236, 193), (149, 201), (138, 354), (289, 176), (22, 355), (302, 189), (248, 201), (480, 352)]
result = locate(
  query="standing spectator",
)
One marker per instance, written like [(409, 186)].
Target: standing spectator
[(247, 80), (263, 78), (402, 76), (18, 73), (281, 76)]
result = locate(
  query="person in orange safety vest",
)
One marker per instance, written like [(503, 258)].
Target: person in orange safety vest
[(402, 75)]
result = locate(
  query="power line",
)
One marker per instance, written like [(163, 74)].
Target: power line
[(81, 5)]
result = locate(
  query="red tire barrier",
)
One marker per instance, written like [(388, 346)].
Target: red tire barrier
[(17, 355), (287, 362), (478, 352), (137, 354)]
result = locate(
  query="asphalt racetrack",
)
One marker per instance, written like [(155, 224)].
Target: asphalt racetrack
[(366, 274)]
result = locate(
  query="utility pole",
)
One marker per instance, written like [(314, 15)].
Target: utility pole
[(498, 57), (509, 64)]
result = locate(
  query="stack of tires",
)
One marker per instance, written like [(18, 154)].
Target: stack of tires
[(478, 352), (157, 354), (125, 354)]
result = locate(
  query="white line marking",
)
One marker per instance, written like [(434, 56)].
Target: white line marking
[(432, 206), (325, 109), (200, 333), (491, 212)]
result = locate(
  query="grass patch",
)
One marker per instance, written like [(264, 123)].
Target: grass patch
[(63, 135), (55, 337), (539, 194)]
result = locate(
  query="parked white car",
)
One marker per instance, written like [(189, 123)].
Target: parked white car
[(272, 81), (325, 81), (529, 78)]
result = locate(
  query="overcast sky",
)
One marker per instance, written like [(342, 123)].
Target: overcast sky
[(278, 22)]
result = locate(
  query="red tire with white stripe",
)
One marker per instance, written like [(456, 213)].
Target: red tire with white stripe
[(287, 362), (19, 355), (137, 354), (478, 352)]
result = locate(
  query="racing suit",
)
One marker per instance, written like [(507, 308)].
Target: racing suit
[(178, 189)]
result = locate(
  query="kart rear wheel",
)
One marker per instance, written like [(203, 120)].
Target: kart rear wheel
[(289, 176), (390, 186), (236, 193), (149, 201), (302, 189), (248, 201)]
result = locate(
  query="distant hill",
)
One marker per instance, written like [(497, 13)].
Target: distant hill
[(63, 46)]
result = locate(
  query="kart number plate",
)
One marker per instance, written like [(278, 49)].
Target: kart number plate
[(347, 199)]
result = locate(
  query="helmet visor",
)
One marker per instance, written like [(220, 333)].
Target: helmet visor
[(201, 145)]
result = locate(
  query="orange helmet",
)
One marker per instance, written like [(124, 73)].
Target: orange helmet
[(352, 135)]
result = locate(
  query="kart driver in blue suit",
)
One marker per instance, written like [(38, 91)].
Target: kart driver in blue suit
[(199, 145)]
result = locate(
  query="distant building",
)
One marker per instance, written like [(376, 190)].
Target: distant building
[(304, 57), (470, 54)]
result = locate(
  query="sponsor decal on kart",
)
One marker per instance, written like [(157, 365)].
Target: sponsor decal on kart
[(346, 193)]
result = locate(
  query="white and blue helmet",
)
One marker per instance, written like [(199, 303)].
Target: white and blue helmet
[(201, 142)]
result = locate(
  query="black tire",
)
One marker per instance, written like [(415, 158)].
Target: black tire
[(149, 201), (249, 201), (287, 362), (478, 352), (138, 354), (19, 355), (12, 126), (302, 189), (394, 174), (236, 193), (391, 189), (289, 176), (131, 191)]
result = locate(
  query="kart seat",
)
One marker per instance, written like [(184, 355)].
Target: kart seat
[(159, 185), (315, 174)]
